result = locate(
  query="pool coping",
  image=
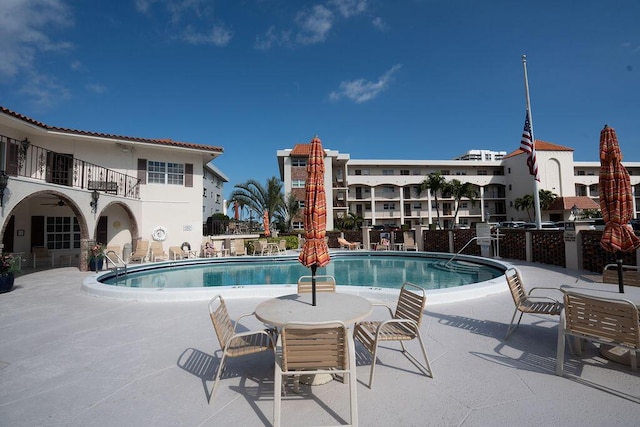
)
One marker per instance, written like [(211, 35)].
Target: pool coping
[(93, 287)]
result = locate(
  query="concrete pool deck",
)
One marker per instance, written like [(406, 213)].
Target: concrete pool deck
[(67, 358)]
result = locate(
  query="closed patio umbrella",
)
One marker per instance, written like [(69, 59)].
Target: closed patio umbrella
[(265, 221), (616, 201), (315, 252)]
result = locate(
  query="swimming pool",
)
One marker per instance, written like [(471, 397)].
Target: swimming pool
[(364, 270)]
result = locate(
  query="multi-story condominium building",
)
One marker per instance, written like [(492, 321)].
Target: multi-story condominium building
[(62, 188), (482, 155), (213, 191), (386, 192)]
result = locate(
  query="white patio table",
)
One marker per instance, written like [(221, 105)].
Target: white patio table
[(329, 306)]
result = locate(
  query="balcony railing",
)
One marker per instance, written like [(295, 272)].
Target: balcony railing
[(31, 161)]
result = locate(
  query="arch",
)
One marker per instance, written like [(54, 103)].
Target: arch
[(82, 223)]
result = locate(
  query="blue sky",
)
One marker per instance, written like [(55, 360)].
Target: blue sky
[(412, 79)]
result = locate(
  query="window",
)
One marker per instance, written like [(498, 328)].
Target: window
[(581, 173), (404, 172), (204, 192), (298, 161), (217, 198), (416, 172), (297, 183), (62, 232), (482, 172), (389, 206), (165, 173), (298, 225), (387, 171), (301, 204), (445, 172), (358, 172), (389, 189), (417, 206)]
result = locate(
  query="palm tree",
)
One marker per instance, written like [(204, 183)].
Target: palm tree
[(546, 198), (524, 203), (434, 183), (461, 191), (352, 221), (287, 212), (258, 198)]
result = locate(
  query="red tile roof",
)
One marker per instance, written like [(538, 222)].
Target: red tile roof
[(566, 203), (301, 150), (541, 146), (110, 136)]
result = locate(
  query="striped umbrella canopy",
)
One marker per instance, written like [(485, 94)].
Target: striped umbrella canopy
[(265, 222), (616, 199), (315, 252)]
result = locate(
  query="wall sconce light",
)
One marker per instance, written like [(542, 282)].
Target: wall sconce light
[(94, 201), (4, 179), (25, 145)]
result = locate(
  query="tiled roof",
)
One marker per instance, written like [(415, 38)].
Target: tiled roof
[(541, 146), (301, 150), (110, 136), (566, 203)]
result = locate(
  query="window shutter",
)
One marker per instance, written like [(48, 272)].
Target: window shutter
[(188, 175), (142, 171)]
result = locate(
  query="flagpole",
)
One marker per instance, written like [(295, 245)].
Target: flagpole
[(536, 195)]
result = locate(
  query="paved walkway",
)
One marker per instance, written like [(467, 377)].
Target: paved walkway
[(74, 360)]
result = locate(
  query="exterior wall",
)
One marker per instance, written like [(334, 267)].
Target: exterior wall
[(212, 192), (175, 207), (500, 183)]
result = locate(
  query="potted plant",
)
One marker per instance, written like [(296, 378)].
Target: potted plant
[(7, 268), (96, 257)]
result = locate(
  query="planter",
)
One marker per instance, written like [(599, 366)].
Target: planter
[(95, 264), (6, 282)]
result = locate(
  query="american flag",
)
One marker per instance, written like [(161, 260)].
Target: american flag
[(527, 145)]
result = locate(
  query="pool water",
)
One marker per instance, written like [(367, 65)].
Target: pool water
[(373, 271)]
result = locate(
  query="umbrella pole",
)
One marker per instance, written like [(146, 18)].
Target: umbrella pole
[(620, 276), (313, 284)]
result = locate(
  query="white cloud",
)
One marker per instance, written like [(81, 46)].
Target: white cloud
[(379, 24), (360, 90), (314, 25), (77, 66), (23, 33), (193, 20), (144, 5), (348, 8), (218, 36), (96, 88), (44, 91)]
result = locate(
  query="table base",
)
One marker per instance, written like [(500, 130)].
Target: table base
[(616, 354), (317, 379)]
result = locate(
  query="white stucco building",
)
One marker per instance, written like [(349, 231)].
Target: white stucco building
[(66, 187), (213, 191), (384, 192)]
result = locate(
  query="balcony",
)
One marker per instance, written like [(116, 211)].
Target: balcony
[(30, 161)]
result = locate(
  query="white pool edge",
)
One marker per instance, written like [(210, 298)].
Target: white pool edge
[(92, 287)]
